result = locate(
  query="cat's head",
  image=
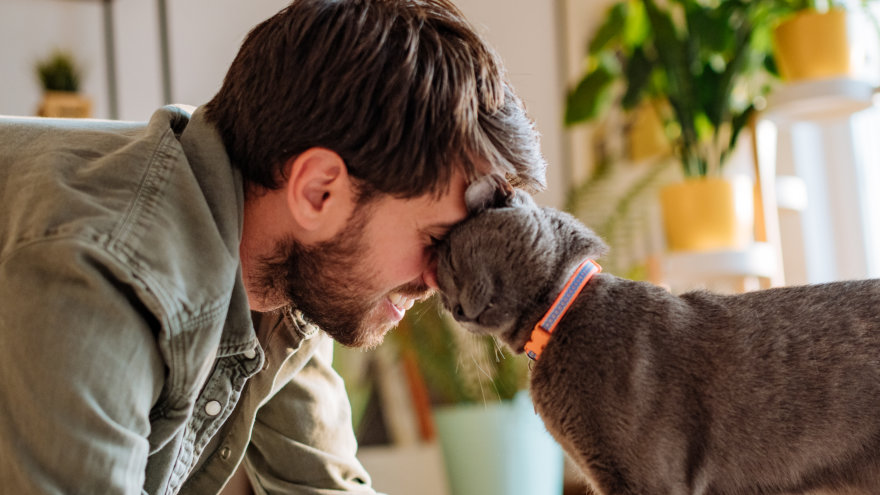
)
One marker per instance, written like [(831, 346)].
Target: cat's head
[(506, 262)]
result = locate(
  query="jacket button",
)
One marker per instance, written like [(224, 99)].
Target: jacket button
[(250, 353), (225, 452), (212, 408)]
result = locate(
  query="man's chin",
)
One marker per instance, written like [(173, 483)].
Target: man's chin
[(367, 333), (366, 338)]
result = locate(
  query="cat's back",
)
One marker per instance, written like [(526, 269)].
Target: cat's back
[(606, 387), (774, 383)]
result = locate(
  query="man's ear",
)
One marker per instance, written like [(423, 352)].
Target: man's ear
[(318, 192)]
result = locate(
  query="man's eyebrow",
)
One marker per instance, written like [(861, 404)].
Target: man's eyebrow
[(439, 229)]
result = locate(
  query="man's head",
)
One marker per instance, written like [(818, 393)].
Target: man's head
[(403, 91), (400, 102)]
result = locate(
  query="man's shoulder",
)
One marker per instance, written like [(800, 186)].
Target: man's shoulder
[(127, 189), (77, 177)]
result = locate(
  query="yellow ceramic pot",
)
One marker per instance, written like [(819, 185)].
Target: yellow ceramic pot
[(66, 104), (647, 138), (704, 214), (813, 45)]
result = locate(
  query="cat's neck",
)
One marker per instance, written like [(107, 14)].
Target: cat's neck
[(544, 329), (543, 301)]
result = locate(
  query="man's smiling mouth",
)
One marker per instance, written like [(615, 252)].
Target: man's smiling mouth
[(401, 302)]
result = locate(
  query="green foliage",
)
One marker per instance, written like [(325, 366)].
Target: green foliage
[(709, 62), (58, 72), (616, 202), (458, 367)]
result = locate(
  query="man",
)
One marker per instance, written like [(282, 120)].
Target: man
[(163, 285)]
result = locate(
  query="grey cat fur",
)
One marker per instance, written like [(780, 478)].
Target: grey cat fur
[(768, 392)]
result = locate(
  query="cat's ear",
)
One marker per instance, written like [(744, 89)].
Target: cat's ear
[(489, 191)]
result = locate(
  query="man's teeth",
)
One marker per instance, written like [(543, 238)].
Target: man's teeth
[(401, 301)]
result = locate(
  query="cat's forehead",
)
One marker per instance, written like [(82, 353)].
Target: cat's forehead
[(507, 231), (503, 220)]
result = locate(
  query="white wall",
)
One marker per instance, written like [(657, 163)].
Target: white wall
[(205, 35), (29, 31), (527, 36), (203, 45)]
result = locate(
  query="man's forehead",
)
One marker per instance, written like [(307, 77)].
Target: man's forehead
[(445, 211)]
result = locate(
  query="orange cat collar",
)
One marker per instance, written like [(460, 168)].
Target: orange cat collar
[(541, 333)]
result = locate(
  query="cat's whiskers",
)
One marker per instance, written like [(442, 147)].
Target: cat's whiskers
[(474, 361), (477, 356), (480, 381), (496, 349), (499, 351)]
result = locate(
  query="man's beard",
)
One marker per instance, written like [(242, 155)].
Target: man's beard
[(329, 283)]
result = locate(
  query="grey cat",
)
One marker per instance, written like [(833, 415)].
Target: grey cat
[(769, 392)]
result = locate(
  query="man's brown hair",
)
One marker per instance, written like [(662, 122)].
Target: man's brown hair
[(403, 90)]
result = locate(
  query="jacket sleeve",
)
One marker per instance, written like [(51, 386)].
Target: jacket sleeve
[(302, 441), (79, 371)]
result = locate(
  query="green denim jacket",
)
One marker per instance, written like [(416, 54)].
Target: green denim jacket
[(129, 360)]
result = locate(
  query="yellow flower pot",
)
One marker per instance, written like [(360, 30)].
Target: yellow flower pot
[(704, 214), (647, 138), (813, 45), (66, 104)]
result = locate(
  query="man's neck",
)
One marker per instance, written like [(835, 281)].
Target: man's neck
[(262, 230)]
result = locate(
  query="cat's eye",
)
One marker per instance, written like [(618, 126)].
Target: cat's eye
[(433, 243)]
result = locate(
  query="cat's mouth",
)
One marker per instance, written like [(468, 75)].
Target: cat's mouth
[(476, 328), (488, 321), (505, 332)]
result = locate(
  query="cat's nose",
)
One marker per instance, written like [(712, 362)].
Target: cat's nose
[(459, 314)]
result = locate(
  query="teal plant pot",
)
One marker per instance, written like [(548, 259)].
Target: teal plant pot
[(499, 448)]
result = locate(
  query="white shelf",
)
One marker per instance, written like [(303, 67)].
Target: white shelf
[(791, 193), (822, 99), (718, 270)]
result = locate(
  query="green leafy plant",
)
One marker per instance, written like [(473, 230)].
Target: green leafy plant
[(453, 366), (58, 72), (795, 5), (457, 366), (820, 5), (706, 65), (616, 203)]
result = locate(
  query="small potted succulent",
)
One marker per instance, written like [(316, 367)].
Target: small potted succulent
[(60, 80)]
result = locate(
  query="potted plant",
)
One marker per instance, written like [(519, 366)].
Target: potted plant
[(468, 395), (493, 441), (631, 157), (60, 79), (815, 41), (704, 68)]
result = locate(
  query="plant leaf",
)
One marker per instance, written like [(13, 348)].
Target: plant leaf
[(672, 54), (638, 73), (591, 96), (637, 28), (610, 30)]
